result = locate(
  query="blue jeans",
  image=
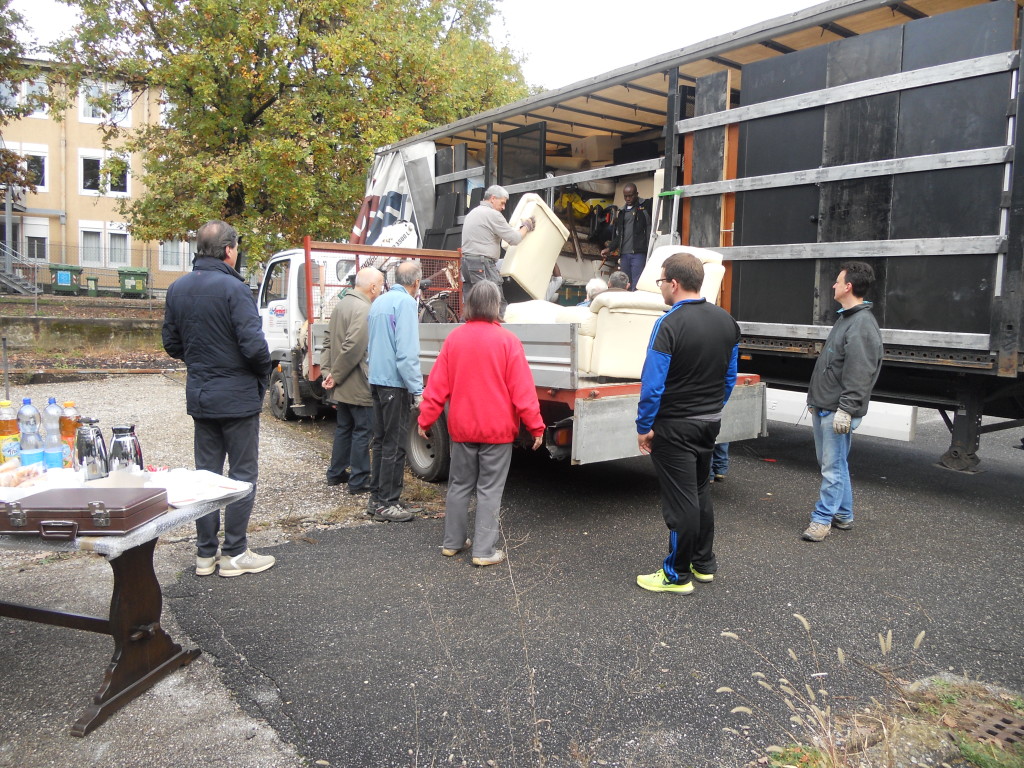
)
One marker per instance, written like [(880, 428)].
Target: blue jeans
[(720, 459), (632, 264), (835, 500), (352, 445)]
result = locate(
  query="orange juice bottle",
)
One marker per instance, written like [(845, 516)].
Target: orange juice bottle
[(68, 430), (10, 441)]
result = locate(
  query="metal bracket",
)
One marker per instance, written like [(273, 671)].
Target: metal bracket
[(15, 514), (100, 514)]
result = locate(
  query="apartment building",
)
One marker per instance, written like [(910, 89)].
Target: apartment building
[(72, 218)]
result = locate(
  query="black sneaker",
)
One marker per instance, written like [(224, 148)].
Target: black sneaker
[(340, 480), (358, 491)]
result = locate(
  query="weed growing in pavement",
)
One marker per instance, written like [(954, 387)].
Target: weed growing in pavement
[(987, 755), (819, 736)]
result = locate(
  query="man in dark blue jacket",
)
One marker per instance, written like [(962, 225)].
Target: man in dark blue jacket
[(211, 323), (688, 375)]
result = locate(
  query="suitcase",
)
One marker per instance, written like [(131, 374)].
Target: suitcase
[(64, 513)]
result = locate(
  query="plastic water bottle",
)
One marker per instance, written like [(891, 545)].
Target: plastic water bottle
[(28, 428), (10, 440), (69, 422), (53, 450)]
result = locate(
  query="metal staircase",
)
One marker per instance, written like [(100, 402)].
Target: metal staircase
[(12, 280)]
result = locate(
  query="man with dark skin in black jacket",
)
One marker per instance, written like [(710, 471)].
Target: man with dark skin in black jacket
[(212, 324)]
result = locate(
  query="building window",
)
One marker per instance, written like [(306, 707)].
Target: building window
[(104, 244), (171, 255), (95, 177), (118, 249), (35, 248), (35, 91), (92, 248), (26, 94), (91, 103), (36, 167)]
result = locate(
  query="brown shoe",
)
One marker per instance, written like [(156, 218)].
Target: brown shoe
[(497, 557), (816, 532), (454, 552)]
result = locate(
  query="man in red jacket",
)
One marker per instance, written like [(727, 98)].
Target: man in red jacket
[(482, 370)]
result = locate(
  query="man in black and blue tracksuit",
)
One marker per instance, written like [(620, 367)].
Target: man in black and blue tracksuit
[(688, 375)]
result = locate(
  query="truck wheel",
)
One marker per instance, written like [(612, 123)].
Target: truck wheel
[(280, 405), (429, 459)]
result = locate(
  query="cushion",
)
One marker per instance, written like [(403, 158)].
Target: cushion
[(531, 262), (536, 311), (652, 270)]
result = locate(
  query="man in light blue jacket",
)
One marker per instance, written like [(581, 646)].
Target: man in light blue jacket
[(396, 386)]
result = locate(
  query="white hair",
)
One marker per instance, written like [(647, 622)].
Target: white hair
[(594, 286)]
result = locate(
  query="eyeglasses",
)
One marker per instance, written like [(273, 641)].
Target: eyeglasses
[(661, 280)]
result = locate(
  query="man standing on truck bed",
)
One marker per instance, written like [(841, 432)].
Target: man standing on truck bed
[(211, 322), (839, 393), (396, 385), (346, 375), (482, 232), (687, 378), (629, 235)]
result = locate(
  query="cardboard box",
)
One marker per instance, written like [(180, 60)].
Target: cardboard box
[(596, 148)]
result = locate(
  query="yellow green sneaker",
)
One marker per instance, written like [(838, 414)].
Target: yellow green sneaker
[(703, 578), (656, 582)]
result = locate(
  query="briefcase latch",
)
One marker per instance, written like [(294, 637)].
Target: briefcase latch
[(100, 514), (15, 514)]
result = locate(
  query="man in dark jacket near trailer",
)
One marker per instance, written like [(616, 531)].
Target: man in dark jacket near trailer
[(211, 323), (630, 234), (838, 395)]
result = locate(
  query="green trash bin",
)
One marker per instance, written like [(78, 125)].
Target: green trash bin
[(66, 278), (133, 281), (92, 286)]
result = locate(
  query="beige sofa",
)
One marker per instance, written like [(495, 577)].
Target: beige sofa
[(616, 328)]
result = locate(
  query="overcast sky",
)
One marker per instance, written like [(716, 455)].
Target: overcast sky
[(562, 41)]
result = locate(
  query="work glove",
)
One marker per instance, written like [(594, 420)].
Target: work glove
[(417, 401), (841, 422), (530, 223)]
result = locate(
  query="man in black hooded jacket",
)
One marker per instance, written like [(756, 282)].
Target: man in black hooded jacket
[(211, 323)]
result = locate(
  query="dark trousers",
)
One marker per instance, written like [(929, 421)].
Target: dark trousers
[(681, 452), (238, 440), (390, 431), (352, 444), (476, 269)]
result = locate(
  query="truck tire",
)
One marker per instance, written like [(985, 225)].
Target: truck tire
[(277, 394), (429, 459)]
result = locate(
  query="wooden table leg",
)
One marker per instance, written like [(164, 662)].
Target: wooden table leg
[(143, 652)]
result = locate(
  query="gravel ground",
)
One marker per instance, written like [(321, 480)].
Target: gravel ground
[(190, 716)]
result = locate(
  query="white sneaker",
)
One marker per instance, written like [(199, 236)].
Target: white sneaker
[(247, 562), (205, 565)]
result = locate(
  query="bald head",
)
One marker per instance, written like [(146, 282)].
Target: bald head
[(369, 281)]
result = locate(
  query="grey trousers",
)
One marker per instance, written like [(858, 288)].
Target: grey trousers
[(482, 467), (476, 269)]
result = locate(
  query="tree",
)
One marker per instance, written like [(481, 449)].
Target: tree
[(272, 108), (13, 71)]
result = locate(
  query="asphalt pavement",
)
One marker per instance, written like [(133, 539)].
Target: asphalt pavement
[(365, 647)]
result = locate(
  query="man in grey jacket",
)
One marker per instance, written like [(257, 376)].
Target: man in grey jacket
[(838, 395), (345, 375), (482, 232)]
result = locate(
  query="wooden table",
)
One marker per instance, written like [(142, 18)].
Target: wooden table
[(143, 652)]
